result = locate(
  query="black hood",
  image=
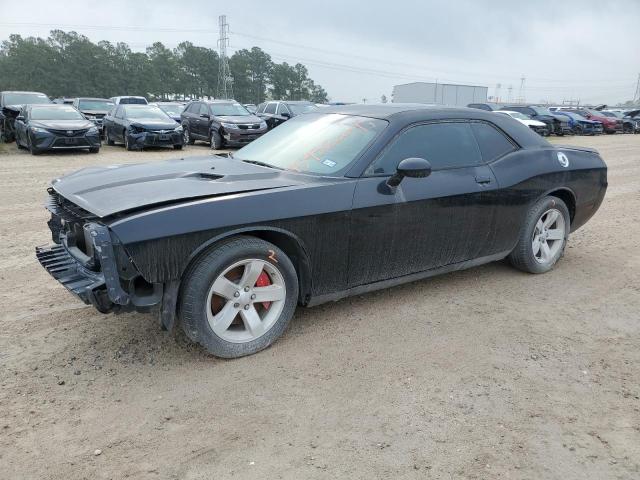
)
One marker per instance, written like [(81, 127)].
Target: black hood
[(93, 112), (239, 118), (62, 124), (154, 124), (105, 191)]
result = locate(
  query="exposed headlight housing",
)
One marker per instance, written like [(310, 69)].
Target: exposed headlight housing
[(38, 130), (178, 129), (230, 126), (263, 124), (93, 130), (136, 128)]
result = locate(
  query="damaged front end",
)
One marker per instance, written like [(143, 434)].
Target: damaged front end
[(7, 123), (88, 260)]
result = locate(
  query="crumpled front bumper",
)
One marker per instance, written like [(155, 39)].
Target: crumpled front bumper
[(153, 139), (102, 288)]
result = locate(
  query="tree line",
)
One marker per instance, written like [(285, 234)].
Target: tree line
[(69, 64)]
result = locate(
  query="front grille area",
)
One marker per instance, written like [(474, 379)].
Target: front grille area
[(65, 133), (254, 126), (66, 210)]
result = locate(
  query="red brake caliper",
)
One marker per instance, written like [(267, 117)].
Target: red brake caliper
[(264, 281)]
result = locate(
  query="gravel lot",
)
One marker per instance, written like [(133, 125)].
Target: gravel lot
[(486, 373)]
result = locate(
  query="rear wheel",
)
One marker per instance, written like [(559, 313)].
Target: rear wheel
[(543, 237), (107, 137), (238, 298), (577, 130)]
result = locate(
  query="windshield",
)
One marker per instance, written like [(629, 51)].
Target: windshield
[(55, 113), (149, 113), (229, 109), (314, 143), (300, 108), (174, 110), (542, 111), (24, 98), (103, 105), (132, 101)]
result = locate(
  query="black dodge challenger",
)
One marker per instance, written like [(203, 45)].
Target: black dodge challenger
[(329, 204)]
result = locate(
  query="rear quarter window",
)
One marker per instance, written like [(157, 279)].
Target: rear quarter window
[(492, 142)]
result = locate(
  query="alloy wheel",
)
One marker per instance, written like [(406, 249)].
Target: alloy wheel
[(245, 300), (548, 236)]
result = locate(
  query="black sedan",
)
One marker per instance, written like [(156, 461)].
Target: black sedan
[(140, 126), (55, 127), (93, 109), (328, 205), (10, 104)]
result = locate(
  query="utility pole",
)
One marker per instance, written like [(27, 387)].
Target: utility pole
[(636, 97), (510, 89), (225, 80), (497, 93)]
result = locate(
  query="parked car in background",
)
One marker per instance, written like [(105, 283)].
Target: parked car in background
[(610, 125), (634, 117), (628, 125), (556, 125), (94, 109), (251, 107), (580, 125), (277, 112), (226, 248), (489, 107), (221, 123), (140, 126), (63, 100), (173, 109), (40, 128), (539, 127), (129, 100), (10, 104)]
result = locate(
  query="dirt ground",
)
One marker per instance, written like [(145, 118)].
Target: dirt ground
[(483, 374)]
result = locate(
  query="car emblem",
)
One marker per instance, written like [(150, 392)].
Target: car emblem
[(69, 132), (563, 160)]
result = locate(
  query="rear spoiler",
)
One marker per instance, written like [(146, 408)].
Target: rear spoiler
[(577, 149)]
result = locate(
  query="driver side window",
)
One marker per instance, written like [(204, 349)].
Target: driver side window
[(444, 145), (204, 109)]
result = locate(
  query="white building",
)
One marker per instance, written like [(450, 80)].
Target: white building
[(439, 94)]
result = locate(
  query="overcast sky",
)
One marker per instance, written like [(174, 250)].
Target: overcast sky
[(587, 50)]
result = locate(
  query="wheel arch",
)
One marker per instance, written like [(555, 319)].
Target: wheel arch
[(285, 240), (568, 197)]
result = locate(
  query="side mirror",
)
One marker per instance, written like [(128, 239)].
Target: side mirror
[(285, 115), (412, 168), (20, 118), (204, 115)]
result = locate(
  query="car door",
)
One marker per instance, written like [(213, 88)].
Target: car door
[(270, 113), (203, 119), (282, 114), (425, 223), (107, 122), (118, 127)]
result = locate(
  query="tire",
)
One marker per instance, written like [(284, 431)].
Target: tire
[(94, 150), (577, 130), (177, 147), (186, 136), (524, 257), (32, 149), (216, 140), (199, 308), (127, 145), (108, 139)]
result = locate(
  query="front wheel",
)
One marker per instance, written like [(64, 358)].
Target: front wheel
[(186, 136), (127, 143), (177, 147), (543, 236), (108, 138), (239, 297), (215, 140)]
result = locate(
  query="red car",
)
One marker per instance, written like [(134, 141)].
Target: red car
[(609, 124)]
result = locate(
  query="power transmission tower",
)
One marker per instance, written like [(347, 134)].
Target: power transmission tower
[(521, 92), (225, 80), (510, 89), (636, 97)]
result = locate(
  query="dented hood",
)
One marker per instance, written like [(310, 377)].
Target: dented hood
[(105, 191)]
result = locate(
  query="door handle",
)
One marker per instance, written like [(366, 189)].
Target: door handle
[(483, 180)]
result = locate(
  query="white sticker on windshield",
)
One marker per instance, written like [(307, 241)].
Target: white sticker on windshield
[(329, 163)]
